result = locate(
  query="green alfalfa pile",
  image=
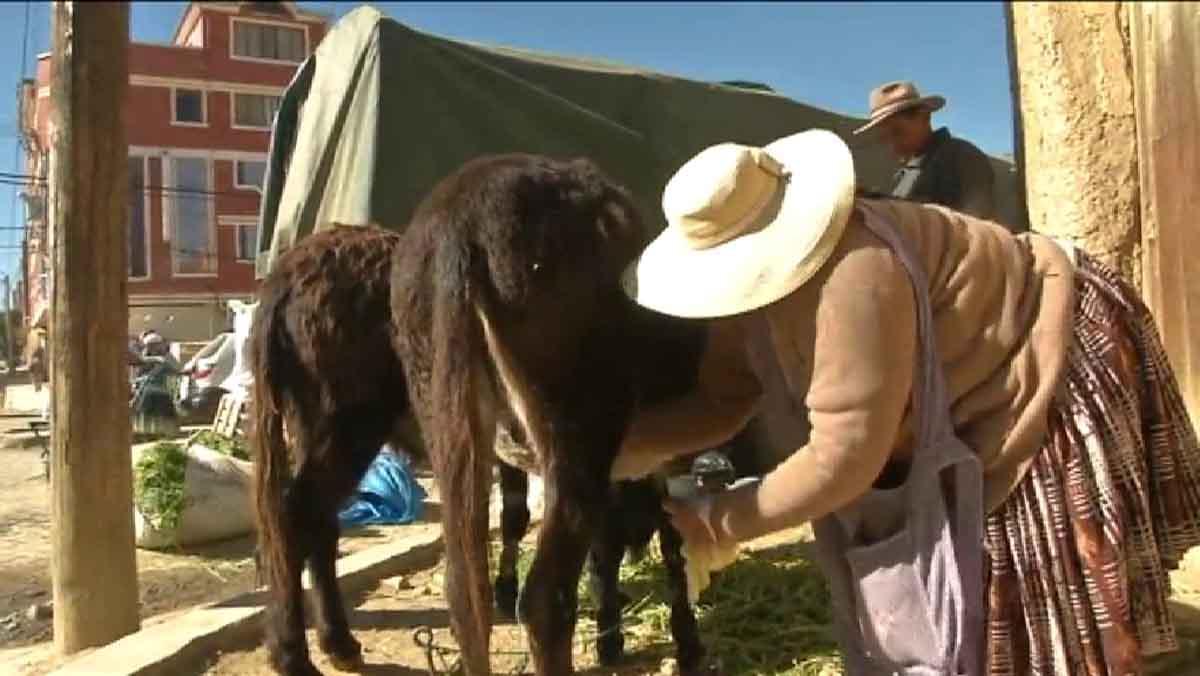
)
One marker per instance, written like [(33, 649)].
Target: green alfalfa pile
[(158, 476), (766, 615), (158, 484), (221, 444)]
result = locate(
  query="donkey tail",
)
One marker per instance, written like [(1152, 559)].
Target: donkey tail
[(268, 348), (461, 454)]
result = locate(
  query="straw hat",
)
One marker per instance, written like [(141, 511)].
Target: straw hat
[(893, 97), (746, 226)]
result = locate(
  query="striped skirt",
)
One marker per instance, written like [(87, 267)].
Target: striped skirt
[(1078, 555)]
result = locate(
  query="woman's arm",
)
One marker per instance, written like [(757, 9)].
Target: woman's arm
[(726, 395), (864, 345)]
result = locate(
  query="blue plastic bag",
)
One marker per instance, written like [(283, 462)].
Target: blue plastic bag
[(388, 494)]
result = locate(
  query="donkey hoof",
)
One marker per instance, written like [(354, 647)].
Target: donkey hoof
[(506, 598), (624, 599), (344, 652), (610, 649), (296, 667), (705, 667), (353, 664)]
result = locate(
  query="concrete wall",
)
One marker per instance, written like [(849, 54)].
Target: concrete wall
[(1110, 109), (1077, 111), (186, 321)]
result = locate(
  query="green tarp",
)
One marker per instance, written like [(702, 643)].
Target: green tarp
[(380, 112)]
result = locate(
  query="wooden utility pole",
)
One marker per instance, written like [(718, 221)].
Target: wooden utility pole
[(94, 567), (8, 325)]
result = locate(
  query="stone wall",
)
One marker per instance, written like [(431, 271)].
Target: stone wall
[(1109, 110), (1077, 113)]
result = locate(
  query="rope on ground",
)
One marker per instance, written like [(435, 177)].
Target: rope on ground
[(438, 656)]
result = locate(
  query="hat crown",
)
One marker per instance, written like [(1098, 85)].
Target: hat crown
[(719, 192), (891, 93)]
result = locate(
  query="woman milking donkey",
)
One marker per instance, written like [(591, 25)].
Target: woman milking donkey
[(999, 468)]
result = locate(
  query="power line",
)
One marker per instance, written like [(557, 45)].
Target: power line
[(22, 180)]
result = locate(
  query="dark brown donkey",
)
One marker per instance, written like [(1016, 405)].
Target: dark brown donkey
[(320, 351), (508, 312), (326, 372)]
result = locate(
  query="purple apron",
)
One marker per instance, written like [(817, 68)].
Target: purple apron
[(905, 564)]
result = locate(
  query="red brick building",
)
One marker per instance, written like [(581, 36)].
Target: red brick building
[(197, 116)]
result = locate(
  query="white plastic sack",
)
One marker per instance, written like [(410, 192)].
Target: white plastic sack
[(217, 494)]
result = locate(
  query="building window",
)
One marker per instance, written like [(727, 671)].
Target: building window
[(256, 111), (193, 237), (139, 232), (247, 240), (248, 174), (268, 41), (35, 206), (188, 106)]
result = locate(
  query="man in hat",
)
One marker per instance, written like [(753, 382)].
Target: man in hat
[(937, 167)]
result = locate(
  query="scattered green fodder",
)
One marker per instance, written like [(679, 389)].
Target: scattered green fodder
[(766, 615), (158, 485), (222, 444)]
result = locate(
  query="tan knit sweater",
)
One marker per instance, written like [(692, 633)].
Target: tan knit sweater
[(846, 343)]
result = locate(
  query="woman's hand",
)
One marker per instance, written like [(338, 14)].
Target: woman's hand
[(689, 516), (702, 551)]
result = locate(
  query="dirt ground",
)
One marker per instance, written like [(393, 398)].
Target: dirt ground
[(386, 617), (386, 620), (168, 580)]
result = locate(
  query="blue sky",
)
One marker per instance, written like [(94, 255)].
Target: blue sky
[(824, 54)]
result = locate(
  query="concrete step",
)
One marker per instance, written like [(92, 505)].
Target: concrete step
[(21, 439)]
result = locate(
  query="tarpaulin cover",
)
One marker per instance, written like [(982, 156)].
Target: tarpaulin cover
[(380, 112), (388, 494)]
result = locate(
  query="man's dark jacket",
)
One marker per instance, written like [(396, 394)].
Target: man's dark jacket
[(951, 172)]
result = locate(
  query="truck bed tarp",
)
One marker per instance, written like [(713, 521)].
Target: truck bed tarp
[(380, 112)]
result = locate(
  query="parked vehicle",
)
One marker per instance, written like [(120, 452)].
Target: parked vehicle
[(201, 378)]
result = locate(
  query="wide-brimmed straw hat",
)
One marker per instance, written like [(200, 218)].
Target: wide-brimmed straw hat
[(746, 226), (893, 97)]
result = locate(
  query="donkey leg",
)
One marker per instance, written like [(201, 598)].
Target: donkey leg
[(333, 626), (608, 549), (286, 642), (550, 602), (689, 650), (514, 523), (354, 444)]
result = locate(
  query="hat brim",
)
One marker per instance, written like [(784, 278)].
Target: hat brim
[(930, 103), (802, 227)]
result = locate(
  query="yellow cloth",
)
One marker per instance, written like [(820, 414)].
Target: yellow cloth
[(701, 561)]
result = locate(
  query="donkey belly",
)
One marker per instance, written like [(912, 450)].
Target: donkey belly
[(515, 454)]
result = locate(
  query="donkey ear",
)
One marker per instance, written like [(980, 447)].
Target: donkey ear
[(618, 221), (620, 231)]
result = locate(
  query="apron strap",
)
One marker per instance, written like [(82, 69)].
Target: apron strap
[(931, 402)]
